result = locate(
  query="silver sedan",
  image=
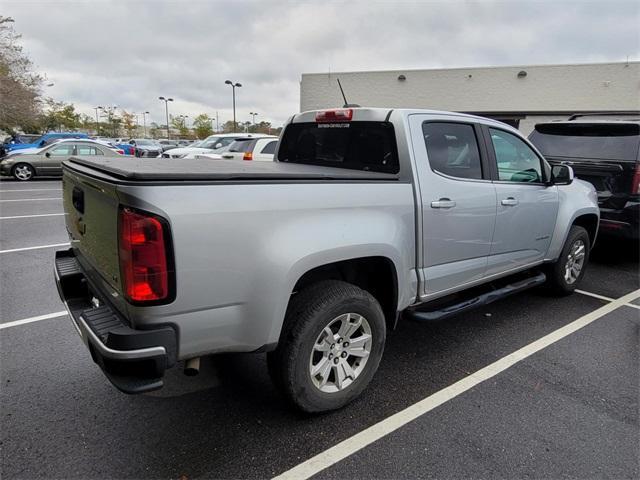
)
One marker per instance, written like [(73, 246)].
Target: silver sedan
[(23, 165)]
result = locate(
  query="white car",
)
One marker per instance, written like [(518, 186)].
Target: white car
[(259, 149), (212, 144)]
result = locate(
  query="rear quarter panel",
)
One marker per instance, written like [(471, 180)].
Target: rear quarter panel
[(240, 249)]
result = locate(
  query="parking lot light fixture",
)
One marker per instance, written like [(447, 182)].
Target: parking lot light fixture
[(144, 123), (233, 88), (166, 109), (253, 116), (97, 120)]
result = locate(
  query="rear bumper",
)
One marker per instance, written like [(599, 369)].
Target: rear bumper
[(133, 360), (622, 223)]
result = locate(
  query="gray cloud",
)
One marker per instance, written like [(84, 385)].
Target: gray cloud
[(130, 52)]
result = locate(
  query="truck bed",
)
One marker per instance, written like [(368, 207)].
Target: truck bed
[(131, 169)]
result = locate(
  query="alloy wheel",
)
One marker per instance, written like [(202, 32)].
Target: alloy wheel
[(575, 262), (23, 172), (340, 353)]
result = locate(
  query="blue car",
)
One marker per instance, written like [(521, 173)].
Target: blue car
[(45, 139)]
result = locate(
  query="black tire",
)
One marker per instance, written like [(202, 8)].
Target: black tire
[(23, 167), (309, 312), (556, 281)]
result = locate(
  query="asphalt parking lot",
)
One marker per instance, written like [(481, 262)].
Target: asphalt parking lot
[(565, 406)]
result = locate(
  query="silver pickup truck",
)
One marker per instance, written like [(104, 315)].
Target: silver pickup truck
[(368, 216)]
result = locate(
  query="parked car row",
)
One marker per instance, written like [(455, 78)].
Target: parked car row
[(604, 152)]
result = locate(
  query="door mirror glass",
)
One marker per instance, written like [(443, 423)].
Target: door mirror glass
[(561, 174)]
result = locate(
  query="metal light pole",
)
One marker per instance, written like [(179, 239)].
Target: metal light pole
[(233, 87), (166, 108), (144, 123), (253, 115), (97, 120)]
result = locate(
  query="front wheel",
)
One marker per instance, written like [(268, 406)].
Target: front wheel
[(566, 273), (23, 172), (331, 346)]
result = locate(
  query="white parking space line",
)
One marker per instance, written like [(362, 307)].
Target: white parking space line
[(606, 299), (32, 216), (595, 295), (32, 190), (31, 199), (35, 248), (360, 440), (15, 323)]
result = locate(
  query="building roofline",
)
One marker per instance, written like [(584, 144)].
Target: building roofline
[(496, 67)]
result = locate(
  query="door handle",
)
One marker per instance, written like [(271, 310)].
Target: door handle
[(509, 202), (443, 203)]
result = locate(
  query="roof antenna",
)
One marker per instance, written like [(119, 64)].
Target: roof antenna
[(346, 104)]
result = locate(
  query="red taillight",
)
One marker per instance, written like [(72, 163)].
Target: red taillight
[(120, 151), (342, 115), (143, 257), (247, 156), (635, 187)]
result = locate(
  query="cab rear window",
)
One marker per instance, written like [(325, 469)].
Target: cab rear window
[(596, 141), (368, 146)]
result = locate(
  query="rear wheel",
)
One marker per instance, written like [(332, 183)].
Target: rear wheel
[(331, 347), (23, 172), (566, 273)]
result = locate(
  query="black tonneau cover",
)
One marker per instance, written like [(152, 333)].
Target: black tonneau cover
[(173, 169)]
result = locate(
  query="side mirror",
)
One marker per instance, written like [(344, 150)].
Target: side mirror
[(48, 154), (561, 174)]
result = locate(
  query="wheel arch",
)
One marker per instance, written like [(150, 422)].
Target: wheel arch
[(375, 274), (589, 222)]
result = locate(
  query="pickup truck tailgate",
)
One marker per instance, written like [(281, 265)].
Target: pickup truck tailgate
[(91, 208)]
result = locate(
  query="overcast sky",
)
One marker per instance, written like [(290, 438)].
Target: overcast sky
[(128, 52)]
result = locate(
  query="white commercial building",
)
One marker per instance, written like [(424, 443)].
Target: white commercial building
[(519, 95)]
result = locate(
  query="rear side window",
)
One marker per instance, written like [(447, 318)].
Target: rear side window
[(270, 147), (452, 149), (583, 140), (88, 150), (242, 146), (368, 146)]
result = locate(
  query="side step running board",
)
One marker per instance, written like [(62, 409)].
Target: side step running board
[(475, 302)]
